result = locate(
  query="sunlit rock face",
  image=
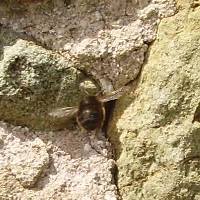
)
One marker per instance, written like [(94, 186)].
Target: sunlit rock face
[(157, 127), (48, 51), (108, 39)]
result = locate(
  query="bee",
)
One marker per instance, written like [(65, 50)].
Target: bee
[(90, 113)]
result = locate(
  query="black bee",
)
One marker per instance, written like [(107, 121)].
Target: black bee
[(90, 113)]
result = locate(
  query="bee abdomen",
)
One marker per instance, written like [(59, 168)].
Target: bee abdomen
[(89, 119), (90, 114)]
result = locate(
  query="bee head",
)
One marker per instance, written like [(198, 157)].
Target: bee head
[(89, 100)]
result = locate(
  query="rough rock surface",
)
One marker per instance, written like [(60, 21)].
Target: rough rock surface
[(54, 165), (156, 128), (33, 81), (108, 39)]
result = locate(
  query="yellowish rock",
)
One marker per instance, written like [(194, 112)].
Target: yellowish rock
[(157, 133)]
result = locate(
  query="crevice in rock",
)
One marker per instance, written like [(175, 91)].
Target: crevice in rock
[(196, 117), (114, 172)]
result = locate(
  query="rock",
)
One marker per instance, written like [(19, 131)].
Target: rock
[(34, 81), (27, 160), (10, 187), (107, 39), (156, 129), (53, 165)]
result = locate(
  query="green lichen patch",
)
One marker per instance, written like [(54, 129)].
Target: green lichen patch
[(33, 81)]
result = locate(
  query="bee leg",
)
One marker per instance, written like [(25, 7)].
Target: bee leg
[(100, 134), (91, 143), (100, 145), (88, 139)]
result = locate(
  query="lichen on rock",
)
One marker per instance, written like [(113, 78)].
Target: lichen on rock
[(33, 81), (107, 39)]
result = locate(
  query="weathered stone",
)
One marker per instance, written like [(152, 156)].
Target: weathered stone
[(156, 132), (53, 165), (9, 186), (33, 81), (26, 160), (108, 39)]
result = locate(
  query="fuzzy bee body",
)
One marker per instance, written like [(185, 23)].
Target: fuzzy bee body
[(91, 113)]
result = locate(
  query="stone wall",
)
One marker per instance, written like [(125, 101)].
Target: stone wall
[(50, 49)]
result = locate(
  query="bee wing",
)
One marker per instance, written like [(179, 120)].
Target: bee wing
[(64, 112), (115, 94)]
